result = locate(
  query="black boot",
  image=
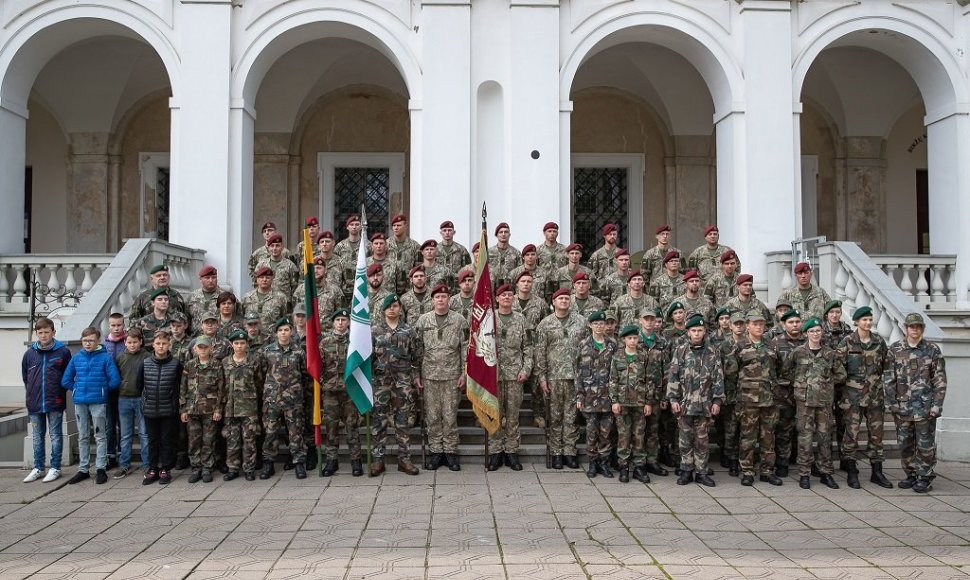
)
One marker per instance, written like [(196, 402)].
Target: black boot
[(772, 479), (685, 477), (624, 474), (923, 485), (815, 470), (844, 464), (725, 462), (557, 461), (781, 469), (735, 469), (603, 465), (311, 460), (852, 476), (300, 470), (907, 483), (591, 471), (805, 482), (878, 477), (329, 468), (704, 479), (829, 481), (433, 462), (494, 461), (656, 469), (512, 460), (288, 464), (452, 460), (268, 470), (640, 475), (571, 461), (356, 468)]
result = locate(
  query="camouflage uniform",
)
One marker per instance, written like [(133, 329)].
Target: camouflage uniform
[(719, 289), (149, 325), (461, 305), (728, 424), (736, 305), (501, 263), (269, 306), (286, 277), (564, 275), (180, 349), (375, 299), (612, 287), (142, 306), (515, 355), (453, 257), (601, 262), (700, 305), (203, 393), (445, 340), (862, 395), (557, 343), (534, 310), (440, 274), (664, 288), (393, 272), (414, 305), (585, 306), (593, 393), (283, 399), (406, 252), (550, 258), (241, 416), (756, 369), (226, 327), (696, 381), (260, 254), (784, 397), (198, 303), (346, 250), (811, 302), (651, 264), (814, 375), (323, 286), (706, 261), (397, 361), (539, 278), (634, 380), (658, 352), (336, 403), (832, 335), (915, 385), (221, 348), (628, 308)]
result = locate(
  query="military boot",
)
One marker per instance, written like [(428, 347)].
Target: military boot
[(907, 483), (853, 475), (196, 476), (656, 469), (705, 479), (329, 468), (781, 469), (923, 485), (494, 461), (685, 477), (805, 482), (829, 481), (591, 471), (311, 460), (377, 468), (571, 461), (405, 466), (288, 465), (878, 477), (844, 464), (356, 469), (557, 461), (300, 470), (603, 465), (268, 470), (624, 474), (640, 475), (231, 475), (735, 469), (512, 460), (433, 462)]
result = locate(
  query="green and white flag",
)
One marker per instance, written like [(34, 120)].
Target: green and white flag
[(357, 372)]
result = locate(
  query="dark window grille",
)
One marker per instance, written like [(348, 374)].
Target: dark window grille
[(369, 186), (162, 202), (599, 197)]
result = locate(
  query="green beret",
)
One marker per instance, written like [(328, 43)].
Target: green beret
[(696, 320), (657, 312), (629, 330), (791, 314), (338, 313), (861, 311), (237, 335), (284, 321), (810, 323), (159, 292), (675, 306), (832, 304), (391, 299), (158, 268), (597, 316), (722, 311)]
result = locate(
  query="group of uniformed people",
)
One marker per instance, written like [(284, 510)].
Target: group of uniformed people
[(656, 357)]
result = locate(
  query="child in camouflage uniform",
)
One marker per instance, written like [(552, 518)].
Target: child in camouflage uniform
[(634, 376), (244, 371), (592, 393), (336, 403), (200, 402)]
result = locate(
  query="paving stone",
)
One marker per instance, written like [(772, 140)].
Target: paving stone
[(935, 572), (703, 572), (481, 572), (466, 557), (615, 572)]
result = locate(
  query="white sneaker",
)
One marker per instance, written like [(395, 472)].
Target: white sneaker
[(34, 475), (52, 474)]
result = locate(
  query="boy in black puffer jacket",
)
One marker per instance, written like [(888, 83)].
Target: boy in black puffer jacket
[(159, 383)]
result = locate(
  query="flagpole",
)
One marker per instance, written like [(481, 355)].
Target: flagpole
[(483, 254), (367, 427)]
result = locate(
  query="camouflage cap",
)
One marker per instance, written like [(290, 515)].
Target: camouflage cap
[(210, 315), (695, 320), (629, 330), (783, 302), (737, 316), (203, 341), (237, 335), (914, 319), (753, 315), (611, 314), (252, 318), (810, 323), (648, 312), (793, 313), (299, 309), (178, 317)]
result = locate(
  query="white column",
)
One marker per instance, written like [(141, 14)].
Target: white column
[(564, 198), (948, 148), (240, 206), (446, 122), (200, 130), (13, 160), (535, 193)]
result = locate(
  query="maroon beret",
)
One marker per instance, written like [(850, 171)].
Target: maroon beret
[(268, 226), (621, 252), (500, 226), (446, 224), (476, 246), (802, 267), (574, 246), (319, 261), (429, 244), (663, 228), (351, 219), (523, 273), (690, 275), (207, 271), (529, 248), (378, 236), (374, 268), (325, 234), (633, 275), (466, 274), (398, 218), (743, 278), (415, 270), (728, 255), (709, 229), (503, 289), (671, 255), (560, 292), (609, 228), (312, 221), (440, 289), (264, 271), (580, 276), (274, 239), (550, 226)]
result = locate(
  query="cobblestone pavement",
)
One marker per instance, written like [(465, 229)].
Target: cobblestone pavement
[(533, 524)]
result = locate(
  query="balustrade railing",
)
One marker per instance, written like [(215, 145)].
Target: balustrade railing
[(45, 283), (926, 279)]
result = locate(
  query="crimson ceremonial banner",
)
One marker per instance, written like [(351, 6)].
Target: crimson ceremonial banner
[(482, 357), (314, 364)]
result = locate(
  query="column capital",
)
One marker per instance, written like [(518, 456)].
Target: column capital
[(765, 5)]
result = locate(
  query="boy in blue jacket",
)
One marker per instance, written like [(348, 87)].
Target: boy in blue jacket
[(42, 367), (91, 374)]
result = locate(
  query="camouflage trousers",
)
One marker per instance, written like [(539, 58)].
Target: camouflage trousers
[(651, 435), (694, 442), (202, 441), (562, 433), (337, 406), (757, 425), (852, 418), (631, 427), (241, 434), (441, 415), (391, 409), (784, 431), (599, 426), (538, 400), (507, 437), (287, 412), (727, 421), (814, 424), (917, 445)]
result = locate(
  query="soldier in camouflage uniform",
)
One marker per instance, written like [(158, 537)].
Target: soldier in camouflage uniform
[(286, 275), (676, 331), (392, 268), (142, 305), (695, 391), (265, 301), (230, 314), (452, 255), (444, 335), (244, 371), (601, 261), (782, 307), (635, 376), (746, 301), (158, 319), (329, 295), (262, 253), (722, 327), (634, 301), (533, 309), (833, 329), (656, 347), (530, 265), (336, 272), (805, 296), (783, 390), (336, 403), (204, 299), (814, 369), (417, 300), (614, 284), (557, 342), (550, 255), (721, 287), (398, 352), (254, 332), (462, 301), (695, 302), (221, 348), (667, 284), (312, 224), (377, 289), (728, 426), (706, 259), (402, 249), (564, 274), (915, 384), (593, 359), (584, 303), (201, 399), (866, 357), (435, 271), (754, 363), (503, 258), (515, 360), (283, 398), (651, 264), (347, 249)]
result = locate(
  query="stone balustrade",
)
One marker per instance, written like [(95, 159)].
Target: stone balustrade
[(52, 281), (929, 280)]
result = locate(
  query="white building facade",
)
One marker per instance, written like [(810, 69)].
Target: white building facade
[(198, 120)]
